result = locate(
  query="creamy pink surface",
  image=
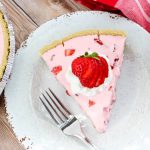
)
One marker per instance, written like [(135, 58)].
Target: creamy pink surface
[(1, 44), (99, 113)]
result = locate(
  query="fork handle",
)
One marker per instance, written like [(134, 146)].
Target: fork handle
[(86, 141), (75, 130)]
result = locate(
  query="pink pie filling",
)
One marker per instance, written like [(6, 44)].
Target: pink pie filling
[(98, 106)]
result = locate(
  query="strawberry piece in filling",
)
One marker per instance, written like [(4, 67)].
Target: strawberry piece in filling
[(56, 70), (69, 52)]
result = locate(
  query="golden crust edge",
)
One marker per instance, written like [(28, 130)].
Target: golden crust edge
[(6, 44), (82, 33)]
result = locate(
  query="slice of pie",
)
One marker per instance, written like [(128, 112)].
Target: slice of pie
[(4, 44), (88, 65)]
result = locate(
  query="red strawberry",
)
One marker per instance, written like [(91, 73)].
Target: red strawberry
[(91, 69), (86, 82), (105, 66), (91, 103), (100, 81), (89, 77), (79, 66), (103, 71), (95, 72), (92, 65), (69, 52), (94, 79), (56, 70)]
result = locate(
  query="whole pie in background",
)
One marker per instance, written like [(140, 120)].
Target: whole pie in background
[(4, 44)]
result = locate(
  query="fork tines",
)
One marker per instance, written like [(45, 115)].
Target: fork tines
[(55, 108)]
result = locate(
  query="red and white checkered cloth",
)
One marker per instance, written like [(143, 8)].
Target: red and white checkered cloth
[(136, 10)]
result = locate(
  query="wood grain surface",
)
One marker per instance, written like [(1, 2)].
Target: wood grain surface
[(26, 16)]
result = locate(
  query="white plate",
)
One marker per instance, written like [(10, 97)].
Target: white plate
[(129, 127)]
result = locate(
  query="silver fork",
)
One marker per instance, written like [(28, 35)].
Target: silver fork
[(67, 122)]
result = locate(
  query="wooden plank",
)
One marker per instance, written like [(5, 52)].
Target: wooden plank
[(76, 6), (2, 108), (23, 25), (43, 10), (8, 140)]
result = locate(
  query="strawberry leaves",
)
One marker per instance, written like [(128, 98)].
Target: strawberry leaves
[(93, 55)]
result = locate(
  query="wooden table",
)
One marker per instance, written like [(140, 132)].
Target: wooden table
[(26, 16)]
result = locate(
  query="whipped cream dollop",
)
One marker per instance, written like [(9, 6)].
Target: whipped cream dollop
[(77, 88)]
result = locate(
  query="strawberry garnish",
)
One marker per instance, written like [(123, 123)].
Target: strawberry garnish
[(91, 69), (86, 82), (56, 70), (91, 103), (100, 81), (94, 79), (105, 66), (103, 71), (94, 67), (79, 66), (69, 52)]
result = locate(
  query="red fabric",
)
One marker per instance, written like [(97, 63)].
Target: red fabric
[(95, 5), (136, 10), (90, 4), (108, 2)]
